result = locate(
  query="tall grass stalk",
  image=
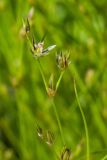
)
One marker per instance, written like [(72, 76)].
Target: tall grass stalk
[(84, 120)]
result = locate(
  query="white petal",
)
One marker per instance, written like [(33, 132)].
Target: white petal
[(51, 47)]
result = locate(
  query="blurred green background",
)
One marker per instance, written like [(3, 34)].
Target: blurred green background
[(78, 26)]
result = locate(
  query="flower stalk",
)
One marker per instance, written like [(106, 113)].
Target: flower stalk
[(59, 80), (84, 120), (42, 73), (58, 121)]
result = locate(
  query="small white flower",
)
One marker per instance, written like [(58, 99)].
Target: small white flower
[(39, 51)]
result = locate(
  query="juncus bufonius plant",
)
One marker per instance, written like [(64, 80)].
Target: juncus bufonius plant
[(63, 61)]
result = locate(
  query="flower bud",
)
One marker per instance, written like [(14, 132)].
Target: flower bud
[(50, 89)]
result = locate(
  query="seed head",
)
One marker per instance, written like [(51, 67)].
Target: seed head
[(66, 154), (49, 138), (46, 136), (62, 60)]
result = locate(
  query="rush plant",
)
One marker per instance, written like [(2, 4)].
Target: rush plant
[(63, 61)]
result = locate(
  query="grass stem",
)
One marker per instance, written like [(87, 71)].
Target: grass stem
[(59, 80), (42, 74), (84, 120), (58, 121)]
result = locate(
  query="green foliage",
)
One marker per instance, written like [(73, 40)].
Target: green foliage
[(78, 27)]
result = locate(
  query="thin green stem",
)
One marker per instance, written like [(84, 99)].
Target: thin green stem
[(59, 80), (58, 121), (84, 120), (30, 43), (94, 105), (104, 158), (41, 71), (39, 64)]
